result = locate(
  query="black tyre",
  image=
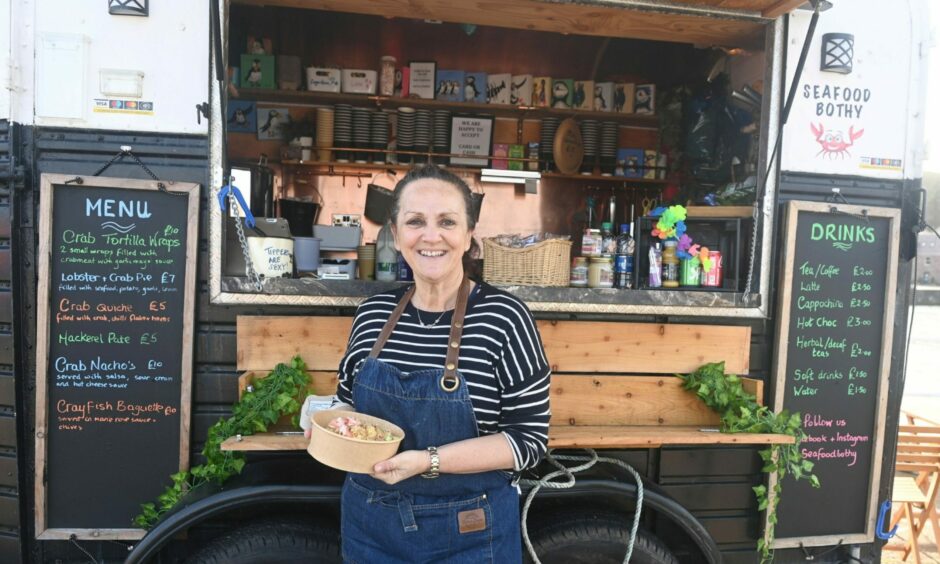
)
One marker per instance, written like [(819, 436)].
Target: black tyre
[(272, 542), (595, 539)]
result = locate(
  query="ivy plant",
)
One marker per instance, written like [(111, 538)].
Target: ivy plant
[(266, 401), (740, 413)]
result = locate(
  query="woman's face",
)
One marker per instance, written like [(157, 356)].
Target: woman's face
[(431, 230)]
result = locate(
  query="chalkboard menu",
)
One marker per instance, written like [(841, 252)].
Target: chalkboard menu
[(834, 332), (114, 350)]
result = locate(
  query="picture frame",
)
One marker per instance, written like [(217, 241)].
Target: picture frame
[(421, 79), (470, 138), (241, 117), (270, 123), (257, 71)]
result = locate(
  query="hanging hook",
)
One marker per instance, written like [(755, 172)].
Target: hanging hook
[(880, 530), (358, 181)]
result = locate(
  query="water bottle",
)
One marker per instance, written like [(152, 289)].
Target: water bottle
[(623, 262), (386, 257)]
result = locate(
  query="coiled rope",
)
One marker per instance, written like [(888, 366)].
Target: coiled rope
[(568, 472)]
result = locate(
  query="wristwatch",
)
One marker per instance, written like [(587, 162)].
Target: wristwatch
[(435, 470)]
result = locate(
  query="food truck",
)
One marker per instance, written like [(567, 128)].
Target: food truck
[(192, 196)]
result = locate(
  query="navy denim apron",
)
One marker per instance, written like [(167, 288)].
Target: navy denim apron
[(457, 518)]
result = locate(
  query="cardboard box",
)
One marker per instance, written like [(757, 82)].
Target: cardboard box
[(402, 75), (498, 88), (323, 79), (623, 97), (629, 163), (449, 86), (533, 154), (541, 91), (649, 163), (604, 97), (583, 98), (359, 81), (474, 87), (521, 91), (516, 153), (500, 152), (645, 99), (562, 93), (270, 247)]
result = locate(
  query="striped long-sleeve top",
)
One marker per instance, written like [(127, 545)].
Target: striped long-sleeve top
[(501, 359)]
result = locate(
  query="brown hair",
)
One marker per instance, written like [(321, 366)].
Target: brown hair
[(434, 172)]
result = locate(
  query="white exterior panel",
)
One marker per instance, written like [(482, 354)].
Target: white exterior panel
[(134, 73), (867, 122)]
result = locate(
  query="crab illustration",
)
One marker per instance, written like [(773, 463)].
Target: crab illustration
[(834, 142)]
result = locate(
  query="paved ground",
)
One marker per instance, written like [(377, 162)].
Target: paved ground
[(922, 396)]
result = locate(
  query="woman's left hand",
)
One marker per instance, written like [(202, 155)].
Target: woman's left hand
[(402, 466)]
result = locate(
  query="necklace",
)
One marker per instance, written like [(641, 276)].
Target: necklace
[(428, 325)]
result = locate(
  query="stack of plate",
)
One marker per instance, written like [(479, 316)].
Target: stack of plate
[(547, 141), (441, 139), (324, 133), (342, 130), (379, 135), (362, 128), (608, 149), (589, 136), (423, 132), (406, 133)]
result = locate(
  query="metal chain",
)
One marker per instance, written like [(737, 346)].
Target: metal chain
[(250, 272), (752, 255)]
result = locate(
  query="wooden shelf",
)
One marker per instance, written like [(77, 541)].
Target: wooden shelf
[(563, 436), (337, 168), (498, 110)]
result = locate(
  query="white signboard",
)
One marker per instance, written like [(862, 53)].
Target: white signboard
[(858, 94)]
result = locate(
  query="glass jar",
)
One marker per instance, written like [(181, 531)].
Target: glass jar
[(670, 265), (601, 272), (579, 272), (608, 241), (387, 76), (591, 243)]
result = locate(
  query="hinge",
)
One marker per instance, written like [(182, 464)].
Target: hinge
[(202, 111)]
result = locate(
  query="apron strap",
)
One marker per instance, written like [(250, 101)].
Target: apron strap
[(450, 381), (390, 324)]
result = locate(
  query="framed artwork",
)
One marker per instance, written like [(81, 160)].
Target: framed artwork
[(470, 137), (421, 79), (241, 117), (270, 122), (257, 71)]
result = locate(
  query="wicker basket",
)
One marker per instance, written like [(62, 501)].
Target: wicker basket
[(543, 264)]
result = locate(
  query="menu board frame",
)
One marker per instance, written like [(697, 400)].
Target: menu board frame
[(785, 302), (49, 184)]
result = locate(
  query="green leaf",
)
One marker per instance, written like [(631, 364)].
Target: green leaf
[(760, 490)]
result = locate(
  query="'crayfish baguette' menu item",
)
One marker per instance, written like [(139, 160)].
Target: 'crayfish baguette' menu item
[(119, 279)]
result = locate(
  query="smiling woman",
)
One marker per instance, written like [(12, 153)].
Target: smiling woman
[(459, 366)]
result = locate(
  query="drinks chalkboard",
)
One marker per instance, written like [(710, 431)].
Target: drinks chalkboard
[(834, 320), (114, 350)]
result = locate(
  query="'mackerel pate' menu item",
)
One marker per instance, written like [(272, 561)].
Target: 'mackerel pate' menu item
[(836, 292), (116, 294)]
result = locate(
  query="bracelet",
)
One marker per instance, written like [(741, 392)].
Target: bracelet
[(435, 470)]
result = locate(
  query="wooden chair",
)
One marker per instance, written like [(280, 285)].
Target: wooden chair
[(916, 484)]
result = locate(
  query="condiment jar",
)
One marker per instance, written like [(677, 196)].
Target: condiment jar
[(608, 241), (387, 76), (670, 265), (579, 272), (591, 243), (601, 272)]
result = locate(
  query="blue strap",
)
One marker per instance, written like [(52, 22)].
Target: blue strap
[(882, 534), (223, 202)]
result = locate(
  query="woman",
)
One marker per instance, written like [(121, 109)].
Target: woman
[(460, 367)]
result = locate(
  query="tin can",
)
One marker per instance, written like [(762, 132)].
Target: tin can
[(579, 272), (623, 271), (715, 277), (690, 272)]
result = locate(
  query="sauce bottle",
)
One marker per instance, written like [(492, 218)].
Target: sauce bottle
[(670, 265)]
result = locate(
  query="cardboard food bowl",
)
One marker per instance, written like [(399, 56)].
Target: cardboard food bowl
[(347, 453)]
